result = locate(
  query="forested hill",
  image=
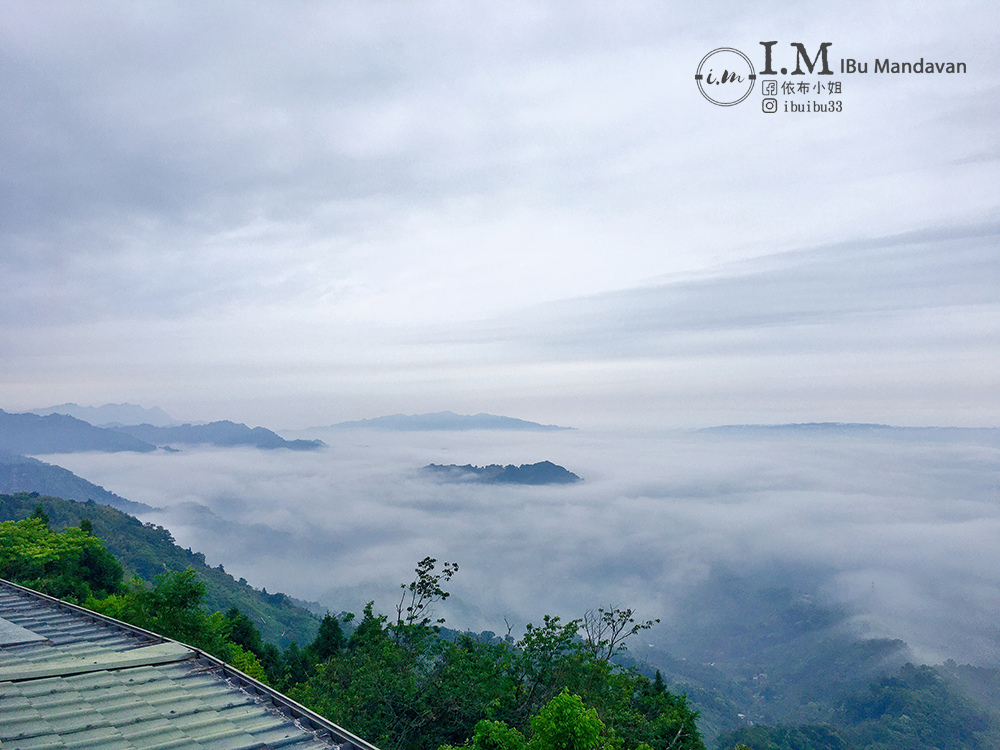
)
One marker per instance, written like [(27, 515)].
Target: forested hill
[(543, 472), (148, 550)]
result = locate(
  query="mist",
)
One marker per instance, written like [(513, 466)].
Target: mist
[(896, 531)]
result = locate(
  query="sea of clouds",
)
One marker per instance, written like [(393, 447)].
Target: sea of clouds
[(898, 528)]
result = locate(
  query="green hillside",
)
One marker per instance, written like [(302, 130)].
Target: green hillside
[(148, 550)]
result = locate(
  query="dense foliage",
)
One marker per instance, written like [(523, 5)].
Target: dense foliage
[(70, 564), (916, 708), (404, 686), (399, 684)]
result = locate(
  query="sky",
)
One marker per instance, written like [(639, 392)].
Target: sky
[(302, 213)]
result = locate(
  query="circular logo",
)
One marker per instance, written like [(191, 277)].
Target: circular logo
[(725, 76)]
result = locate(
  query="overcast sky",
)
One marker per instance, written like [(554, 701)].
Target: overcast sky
[(299, 213)]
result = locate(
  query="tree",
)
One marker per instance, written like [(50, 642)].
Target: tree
[(404, 686), (39, 514), (244, 632), (69, 564), (605, 631), (659, 686), (424, 592), (297, 665), (329, 640), (565, 723), (494, 735)]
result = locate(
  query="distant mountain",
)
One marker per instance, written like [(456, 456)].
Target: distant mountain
[(225, 434), (59, 433), (23, 474), (444, 420), (544, 472), (988, 434), (112, 414)]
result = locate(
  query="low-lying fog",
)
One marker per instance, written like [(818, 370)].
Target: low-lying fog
[(902, 530)]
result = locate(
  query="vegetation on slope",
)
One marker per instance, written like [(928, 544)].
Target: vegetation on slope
[(917, 708), (400, 684), (544, 472), (147, 551)]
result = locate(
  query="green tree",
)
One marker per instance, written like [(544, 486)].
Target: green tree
[(403, 686), (329, 640), (494, 735), (420, 595), (565, 723), (297, 665), (244, 632), (39, 514), (70, 564)]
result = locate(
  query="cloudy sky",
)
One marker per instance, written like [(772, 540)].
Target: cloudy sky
[(299, 213)]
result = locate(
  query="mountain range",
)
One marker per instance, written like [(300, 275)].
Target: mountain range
[(443, 420), (224, 434), (60, 433), (111, 415), (32, 434), (805, 429)]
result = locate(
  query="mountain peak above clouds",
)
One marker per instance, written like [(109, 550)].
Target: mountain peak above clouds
[(857, 429), (223, 433), (31, 433), (112, 414), (544, 472), (445, 420)]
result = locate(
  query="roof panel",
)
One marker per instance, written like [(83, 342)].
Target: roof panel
[(93, 682), (12, 634)]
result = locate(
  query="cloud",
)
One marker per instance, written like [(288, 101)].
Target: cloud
[(173, 161), (895, 529)]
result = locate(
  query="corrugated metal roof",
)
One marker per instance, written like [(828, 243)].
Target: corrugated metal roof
[(70, 678)]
